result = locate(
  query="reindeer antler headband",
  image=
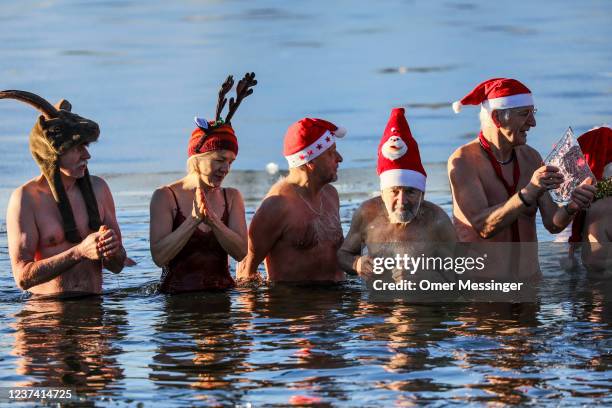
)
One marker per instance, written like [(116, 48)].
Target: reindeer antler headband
[(243, 89)]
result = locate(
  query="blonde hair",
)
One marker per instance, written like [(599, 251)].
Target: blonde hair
[(192, 179)]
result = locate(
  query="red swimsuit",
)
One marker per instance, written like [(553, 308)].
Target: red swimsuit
[(202, 264)]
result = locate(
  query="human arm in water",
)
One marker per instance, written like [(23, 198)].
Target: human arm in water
[(349, 254), (23, 242), (110, 244), (265, 230)]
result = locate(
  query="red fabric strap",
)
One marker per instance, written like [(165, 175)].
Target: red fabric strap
[(510, 189)]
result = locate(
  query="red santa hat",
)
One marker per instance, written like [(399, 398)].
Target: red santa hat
[(308, 138), (497, 93), (596, 144), (399, 161)]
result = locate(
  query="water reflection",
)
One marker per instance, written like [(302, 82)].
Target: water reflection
[(300, 342), (69, 343), (197, 346)]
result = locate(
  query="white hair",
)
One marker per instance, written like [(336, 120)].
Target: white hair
[(486, 120)]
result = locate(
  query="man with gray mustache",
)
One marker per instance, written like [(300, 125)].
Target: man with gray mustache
[(61, 225), (399, 219)]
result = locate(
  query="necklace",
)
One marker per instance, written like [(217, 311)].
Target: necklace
[(502, 162), (320, 212)]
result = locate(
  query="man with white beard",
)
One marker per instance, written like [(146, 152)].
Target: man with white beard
[(399, 219)]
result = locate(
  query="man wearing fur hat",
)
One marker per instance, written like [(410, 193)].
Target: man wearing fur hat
[(297, 228), (498, 182), (61, 225), (399, 219)]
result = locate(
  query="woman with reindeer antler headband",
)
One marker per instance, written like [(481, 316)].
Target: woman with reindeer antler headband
[(195, 223)]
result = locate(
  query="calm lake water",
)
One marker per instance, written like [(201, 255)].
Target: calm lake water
[(143, 70)]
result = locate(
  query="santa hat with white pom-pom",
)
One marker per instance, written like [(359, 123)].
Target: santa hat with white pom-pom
[(497, 93), (308, 138), (399, 160)]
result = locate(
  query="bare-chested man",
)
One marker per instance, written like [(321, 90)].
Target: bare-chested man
[(498, 183), (593, 227), (399, 219), (61, 225), (297, 227)]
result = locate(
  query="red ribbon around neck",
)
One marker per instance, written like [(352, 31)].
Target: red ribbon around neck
[(516, 174)]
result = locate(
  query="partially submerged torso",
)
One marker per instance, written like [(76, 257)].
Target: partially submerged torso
[(86, 276), (598, 244), (504, 258), (307, 248), (417, 239), (495, 192), (202, 264), (418, 236)]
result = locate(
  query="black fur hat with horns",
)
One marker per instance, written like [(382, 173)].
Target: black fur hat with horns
[(56, 131)]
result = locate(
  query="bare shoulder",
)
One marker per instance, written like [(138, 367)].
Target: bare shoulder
[(276, 201), (330, 191), (371, 206), (20, 197), (279, 188), (100, 186), (25, 194), (600, 210), (233, 193), (463, 156), (161, 193), (435, 212)]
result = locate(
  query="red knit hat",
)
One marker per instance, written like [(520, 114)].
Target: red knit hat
[(596, 144), (308, 138), (208, 139), (218, 134), (399, 161), (497, 93)]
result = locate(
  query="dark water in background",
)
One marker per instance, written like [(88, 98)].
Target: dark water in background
[(143, 70)]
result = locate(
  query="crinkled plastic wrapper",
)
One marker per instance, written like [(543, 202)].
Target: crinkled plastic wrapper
[(567, 156)]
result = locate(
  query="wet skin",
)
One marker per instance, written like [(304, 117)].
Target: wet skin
[(297, 227), (43, 261)]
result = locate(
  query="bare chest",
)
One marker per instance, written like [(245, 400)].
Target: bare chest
[(306, 228), (50, 224), (381, 237), (499, 187)]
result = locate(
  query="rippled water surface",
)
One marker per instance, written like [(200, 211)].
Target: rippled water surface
[(309, 345), (144, 69)]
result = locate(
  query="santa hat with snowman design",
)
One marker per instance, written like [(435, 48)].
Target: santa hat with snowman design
[(399, 161)]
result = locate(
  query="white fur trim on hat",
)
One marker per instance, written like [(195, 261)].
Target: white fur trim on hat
[(312, 151), (340, 132), (402, 178), (507, 102), (457, 106)]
